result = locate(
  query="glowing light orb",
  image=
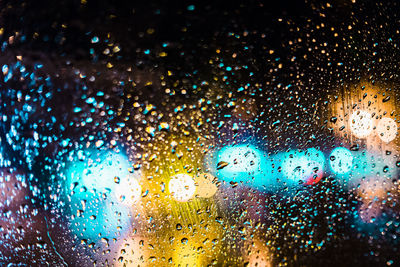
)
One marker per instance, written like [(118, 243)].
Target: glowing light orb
[(361, 123), (242, 163), (128, 190), (242, 158), (306, 166), (206, 186), (90, 187), (386, 129), (341, 160), (182, 187), (98, 170)]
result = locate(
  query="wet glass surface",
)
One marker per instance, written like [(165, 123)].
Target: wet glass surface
[(199, 134)]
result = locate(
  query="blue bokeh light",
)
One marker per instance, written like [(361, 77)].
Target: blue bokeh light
[(301, 167), (341, 160), (96, 169), (246, 164), (91, 182)]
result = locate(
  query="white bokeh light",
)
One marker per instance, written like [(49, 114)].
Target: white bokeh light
[(182, 187), (386, 129), (361, 123), (128, 190)]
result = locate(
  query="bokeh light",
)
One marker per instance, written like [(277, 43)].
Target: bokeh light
[(98, 171), (128, 189), (242, 163), (95, 212), (182, 187), (206, 185), (361, 123), (341, 160), (304, 166), (386, 129)]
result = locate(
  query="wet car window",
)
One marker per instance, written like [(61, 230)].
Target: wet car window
[(248, 133)]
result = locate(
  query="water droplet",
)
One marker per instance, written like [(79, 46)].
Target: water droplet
[(222, 164)]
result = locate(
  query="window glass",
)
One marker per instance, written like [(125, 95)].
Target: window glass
[(188, 133)]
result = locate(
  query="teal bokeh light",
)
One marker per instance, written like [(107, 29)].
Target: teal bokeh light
[(93, 208), (95, 169), (245, 163), (341, 160), (303, 167)]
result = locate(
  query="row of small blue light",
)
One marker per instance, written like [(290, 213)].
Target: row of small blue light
[(248, 164)]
